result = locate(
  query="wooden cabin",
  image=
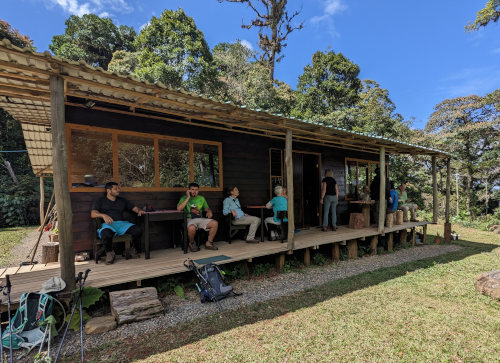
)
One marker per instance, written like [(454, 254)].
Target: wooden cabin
[(87, 126)]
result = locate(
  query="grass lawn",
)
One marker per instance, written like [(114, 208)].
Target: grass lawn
[(9, 238), (424, 311)]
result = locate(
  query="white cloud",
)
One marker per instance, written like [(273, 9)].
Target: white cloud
[(470, 81), (143, 26), (102, 7), (247, 44), (330, 8), (496, 51)]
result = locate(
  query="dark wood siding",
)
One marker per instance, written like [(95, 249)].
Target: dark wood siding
[(245, 164)]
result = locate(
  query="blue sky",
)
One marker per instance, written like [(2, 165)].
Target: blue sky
[(418, 50)]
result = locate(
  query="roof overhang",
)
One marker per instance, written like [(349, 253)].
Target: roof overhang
[(25, 94)]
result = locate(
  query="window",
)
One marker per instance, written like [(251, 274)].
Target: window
[(206, 165), (137, 160), (136, 166), (275, 169), (174, 163), (92, 159), (358, 174)]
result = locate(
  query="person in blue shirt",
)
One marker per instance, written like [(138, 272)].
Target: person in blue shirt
[(232, 206), (392, 203), (278, 203)]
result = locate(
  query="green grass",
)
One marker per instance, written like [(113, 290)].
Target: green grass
[(421, 311), (9, 238)]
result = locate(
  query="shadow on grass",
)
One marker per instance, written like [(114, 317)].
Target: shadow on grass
[(187, 333)]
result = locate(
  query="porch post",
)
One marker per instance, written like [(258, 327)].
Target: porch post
[(434, 192), (61, 189), (289, 187), (447, 224), (381, 209), (42, 201)]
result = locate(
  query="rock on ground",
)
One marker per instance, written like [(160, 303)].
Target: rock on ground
[(488, 283)]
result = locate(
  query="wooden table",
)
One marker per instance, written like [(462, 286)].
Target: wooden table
[(163, 215), (365, 209), (261, 207)]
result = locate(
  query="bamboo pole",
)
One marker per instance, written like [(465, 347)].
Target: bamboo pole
[(42, 201), (42, 227), (61, 187), (289, 187), (381, 209), (434, 192)]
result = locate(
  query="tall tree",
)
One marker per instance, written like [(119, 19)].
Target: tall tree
[(172, 50), (468, 127), (490, 13), (92, 39), (19, 40), (330, 83), (246, 82), (275, 24)]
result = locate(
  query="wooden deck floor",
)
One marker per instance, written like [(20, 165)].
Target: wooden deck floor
[(170, 261)]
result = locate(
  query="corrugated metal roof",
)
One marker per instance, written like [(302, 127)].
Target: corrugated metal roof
[(25, 94)]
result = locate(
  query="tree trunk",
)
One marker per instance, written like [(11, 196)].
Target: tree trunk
[(11, 172), (468, 189)]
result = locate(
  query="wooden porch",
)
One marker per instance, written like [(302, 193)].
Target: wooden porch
[(170, 261)]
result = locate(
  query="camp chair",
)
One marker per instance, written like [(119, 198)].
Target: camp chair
[(281, 228), (232, 229), (25, 326), (99, 246)]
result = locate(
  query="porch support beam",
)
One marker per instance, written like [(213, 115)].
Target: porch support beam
[(61, 188), (447, 224), (289, 188), (434, 192), (381, 201)]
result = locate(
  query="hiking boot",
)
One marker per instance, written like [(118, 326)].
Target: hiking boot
[(324, 229), (210, 246), (253, 240), (334, 229), (131, 253), (110, 257), (193, 247)]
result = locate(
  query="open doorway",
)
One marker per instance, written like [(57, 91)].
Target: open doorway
[(306, 188)]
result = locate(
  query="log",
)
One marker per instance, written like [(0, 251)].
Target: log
[(399, 217), (307, 257), (336, 252), (389, 220), (373, 245), (135, 305), (352, 249), (390, 242), (50, 252), (356, 221), (366, 214)]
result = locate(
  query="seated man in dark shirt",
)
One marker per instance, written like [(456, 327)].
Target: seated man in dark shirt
[(110, 208)]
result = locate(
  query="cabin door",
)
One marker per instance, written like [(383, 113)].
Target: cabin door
[(306, 189)]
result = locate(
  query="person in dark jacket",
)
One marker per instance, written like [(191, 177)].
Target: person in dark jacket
[(329, 199)]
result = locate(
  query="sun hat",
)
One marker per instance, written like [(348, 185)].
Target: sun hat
[(53, 284)]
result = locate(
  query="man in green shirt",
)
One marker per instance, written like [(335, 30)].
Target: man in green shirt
[(194, 204), (405, 206)]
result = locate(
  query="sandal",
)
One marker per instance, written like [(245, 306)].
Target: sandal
[(193, 247), (210, 246)]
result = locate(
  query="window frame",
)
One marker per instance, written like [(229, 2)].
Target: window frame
[(155, 137), (370, 176)]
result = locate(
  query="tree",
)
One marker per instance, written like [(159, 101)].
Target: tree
[(329, 84), (124, 62), (275, 25), (92, 39), (468, 127), (173, 51), (22, 41), (490, 13), (246, 82)]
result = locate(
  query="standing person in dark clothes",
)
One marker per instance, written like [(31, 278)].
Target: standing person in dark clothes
[(110, 208), (329, 199)]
